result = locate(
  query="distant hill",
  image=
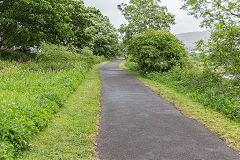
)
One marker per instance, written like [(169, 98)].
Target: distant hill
[(191, 37)]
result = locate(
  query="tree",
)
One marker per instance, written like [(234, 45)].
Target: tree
[(214, 12), (157, 51), (105, 38), (222, 52), (27, 23), (144, 14), (223, 18), (81, 20)]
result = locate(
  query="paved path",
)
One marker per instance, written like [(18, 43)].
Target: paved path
[(137, 124)]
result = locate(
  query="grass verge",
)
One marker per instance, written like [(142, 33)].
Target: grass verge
[(71, 133), (218, 123), (33, 91)]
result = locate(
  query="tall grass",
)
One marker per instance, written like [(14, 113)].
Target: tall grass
[(31, 92), (204, 86)]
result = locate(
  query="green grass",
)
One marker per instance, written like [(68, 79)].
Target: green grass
[(33, 91), (71, 133), (217, 122)]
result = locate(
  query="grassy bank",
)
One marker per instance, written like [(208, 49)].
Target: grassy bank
[(203, 86), (31, 92), (71, 133), (216, 121)]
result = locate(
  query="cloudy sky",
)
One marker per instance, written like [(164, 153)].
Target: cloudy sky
[(184, 22)]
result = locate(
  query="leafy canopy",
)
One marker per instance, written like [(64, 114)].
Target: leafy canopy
[(29, 22), (104, 37), (214, 11), (144, 14), (81, 19), (223, 18), (222, 52)]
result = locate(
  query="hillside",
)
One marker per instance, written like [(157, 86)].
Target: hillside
[(191, 37)]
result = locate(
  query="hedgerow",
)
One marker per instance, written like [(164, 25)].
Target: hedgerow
[(31, 92)]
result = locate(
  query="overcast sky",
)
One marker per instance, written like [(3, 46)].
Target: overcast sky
[(184, 22)]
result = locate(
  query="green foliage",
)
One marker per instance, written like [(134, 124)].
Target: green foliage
[(122, 49), (214, 12), (157, 51), (206, 87), (17, 56), (87, 51), (29, 22), (223, 49), (32, 92), (144, 14), (81, 19), (72, 128), (105, 38)]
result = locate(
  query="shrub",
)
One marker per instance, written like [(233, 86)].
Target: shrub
[(87, 51), (157, 51), (17, 56)]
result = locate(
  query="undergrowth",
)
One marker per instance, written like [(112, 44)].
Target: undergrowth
[(31, 92), (204, 86)]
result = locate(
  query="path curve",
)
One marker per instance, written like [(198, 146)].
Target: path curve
[(137, 124)]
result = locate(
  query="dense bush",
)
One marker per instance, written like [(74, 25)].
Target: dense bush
[(157, 50), (206, 87), (17, 56), (87, 51), (30, 93)]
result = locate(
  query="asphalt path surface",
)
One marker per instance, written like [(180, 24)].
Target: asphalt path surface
[(137, 124)]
